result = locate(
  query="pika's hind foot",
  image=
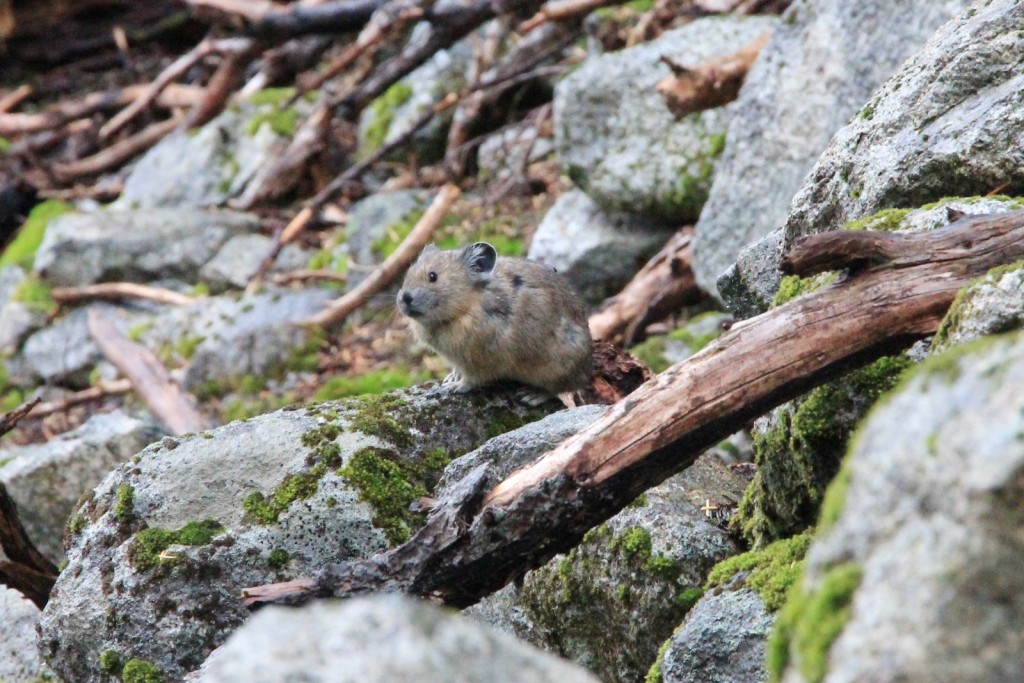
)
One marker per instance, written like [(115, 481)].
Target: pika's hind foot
[(532, 397)]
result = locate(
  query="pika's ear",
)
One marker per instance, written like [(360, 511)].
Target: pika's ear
[(479, 259), (429, 248)]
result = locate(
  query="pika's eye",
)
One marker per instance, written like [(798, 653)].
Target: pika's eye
[(432, 276)]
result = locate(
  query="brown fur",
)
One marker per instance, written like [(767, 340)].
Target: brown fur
[(520, 321)]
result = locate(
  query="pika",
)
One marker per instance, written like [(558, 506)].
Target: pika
[(498, 318)]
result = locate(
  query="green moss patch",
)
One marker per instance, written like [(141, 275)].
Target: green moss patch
[(375, 415), (149, 543), (395, 234), (802, 452), (141, 671), (651, 352), (390, 483), (278, 558), (22, 249), (34, 293), (383, 110), (810, 622), (886, 220), (111, 662), (961, 302), (772, 570), (326, 455), (124, 507), (793, 286), (373, 382)]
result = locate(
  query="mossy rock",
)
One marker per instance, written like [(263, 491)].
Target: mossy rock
[(798, 450)]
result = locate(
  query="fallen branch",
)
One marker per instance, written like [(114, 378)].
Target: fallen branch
[(306, 275), (118, 291), (171, 404), (26, 569), (94, 393), (13, 99), (714, 83), (10, 420), (269, 20), (116, 154), (480, 536), (664, 285), (393, 265), (563, 10)]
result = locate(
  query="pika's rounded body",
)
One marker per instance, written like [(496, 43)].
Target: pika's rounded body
[(497, 318)]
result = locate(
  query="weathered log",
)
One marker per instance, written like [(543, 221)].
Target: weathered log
[(664, 285), (26, 569), (480, 536), (171, 404), (714, 83)]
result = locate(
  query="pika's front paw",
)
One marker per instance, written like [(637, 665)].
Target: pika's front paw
[(456, 383), (532, 397)]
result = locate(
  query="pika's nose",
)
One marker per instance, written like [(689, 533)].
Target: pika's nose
[(405, 296)]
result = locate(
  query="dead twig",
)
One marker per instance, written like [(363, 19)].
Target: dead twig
[(116, 154), (13, 99), (171, 404), (94, 393), (10, 420), (712, 84), (117, 291), (306, 275), (393, 265)]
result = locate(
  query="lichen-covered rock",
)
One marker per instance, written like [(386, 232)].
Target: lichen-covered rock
[(948, 122), (380, 638), (240, 258), (211, 165), (721, 641), (17, 318), (46, 480), (19, 658), (915, 574), (159, 555), (616, 138), (135, 245), (597, 251), (992, 304), (823, 61), (616, 597)]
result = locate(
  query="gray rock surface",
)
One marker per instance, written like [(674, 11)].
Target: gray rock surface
[(135, 246), (925, 528), (948, 122), (612, 601), (821, 65), (19, 659), (721, 641), (379, 638), (64, 353), (47, 480), (748, 286), (158, 555), (240, 258), (209, 166), (598, 251), (992, 304), (639, 158), (506, 154), (17, 319), (398, 109), (229, 337)]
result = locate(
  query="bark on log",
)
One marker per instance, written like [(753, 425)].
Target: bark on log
[(664, 285), (26, 569), (171, 404), (712, 84), (477, 538)]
